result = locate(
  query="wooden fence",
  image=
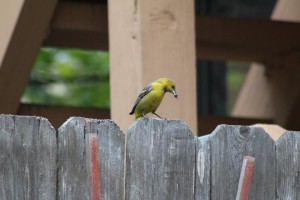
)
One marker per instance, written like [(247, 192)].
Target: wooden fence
[(84, 159)]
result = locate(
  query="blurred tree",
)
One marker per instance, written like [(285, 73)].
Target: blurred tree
[(69, 77)]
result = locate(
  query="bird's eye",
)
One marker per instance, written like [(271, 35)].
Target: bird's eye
[(173, 87)]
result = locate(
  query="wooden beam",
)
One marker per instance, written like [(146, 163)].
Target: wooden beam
[(84, 25), (23, 30), (79, 25), (262, 41), (57, 115), (146, 43), (274, 91)]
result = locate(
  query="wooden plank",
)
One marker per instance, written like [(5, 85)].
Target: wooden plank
[(79, 25), (27, 158), (160, 157), (203, 169), (19, 44), (288, 162), (111, 141), (73, 170), (229, 144), (57, 115), (146, 44)]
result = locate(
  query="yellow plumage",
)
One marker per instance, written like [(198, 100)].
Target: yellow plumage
[(151, 97)]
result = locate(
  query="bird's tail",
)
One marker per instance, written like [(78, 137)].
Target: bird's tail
[(131, 113)]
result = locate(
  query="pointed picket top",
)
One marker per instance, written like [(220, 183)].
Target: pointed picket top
[(28, 158), (160, 157), (73, 170), (229, 144)]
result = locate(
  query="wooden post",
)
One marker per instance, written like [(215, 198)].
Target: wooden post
[(150, 40)]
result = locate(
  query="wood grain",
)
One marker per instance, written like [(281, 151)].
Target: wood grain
[(84, 25), (203, 168), (288, 162), (73, 175), (160, 159), (146, 43), (27, 158), (229, 144)]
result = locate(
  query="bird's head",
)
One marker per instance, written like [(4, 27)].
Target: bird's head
[(169, 85)]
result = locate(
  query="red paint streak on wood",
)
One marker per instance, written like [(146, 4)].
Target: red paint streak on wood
[(95, 186), (245, 178)]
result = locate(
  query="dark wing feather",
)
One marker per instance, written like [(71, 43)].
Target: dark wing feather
[(145, 91)]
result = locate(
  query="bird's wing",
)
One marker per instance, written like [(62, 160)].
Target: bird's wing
[(144, 92)]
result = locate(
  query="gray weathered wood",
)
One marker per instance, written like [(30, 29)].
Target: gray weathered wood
[(160, 160), (112, 150), (73, 176), (27, 158), (203, 168), (229, 144), (288, 166)]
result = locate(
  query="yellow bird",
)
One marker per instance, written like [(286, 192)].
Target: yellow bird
[(151, 96)]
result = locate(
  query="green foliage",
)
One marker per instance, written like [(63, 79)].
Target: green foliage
[(69, 77), (236, 74)]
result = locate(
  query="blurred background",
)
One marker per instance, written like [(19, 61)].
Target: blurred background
[(72, 65)]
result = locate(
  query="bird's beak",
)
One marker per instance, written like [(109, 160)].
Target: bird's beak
[(174, 93)]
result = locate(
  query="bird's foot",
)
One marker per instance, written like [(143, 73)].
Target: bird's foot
[(157, 115)]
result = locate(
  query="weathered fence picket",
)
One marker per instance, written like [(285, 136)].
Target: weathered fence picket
[(163, 160), (228, 146), (288, 166), (73, 177), (27, 158), (160, 160)]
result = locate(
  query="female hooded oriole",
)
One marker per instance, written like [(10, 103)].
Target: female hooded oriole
[(151, 96)]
